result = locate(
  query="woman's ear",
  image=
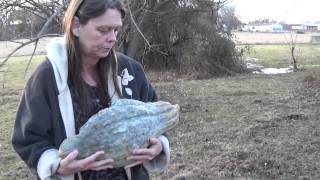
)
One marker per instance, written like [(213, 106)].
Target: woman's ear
[(75, 26)]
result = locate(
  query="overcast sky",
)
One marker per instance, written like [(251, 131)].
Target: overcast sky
[(290, 11)]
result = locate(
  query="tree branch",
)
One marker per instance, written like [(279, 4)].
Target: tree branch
[(26, 43), (31, 57), (137, 27)]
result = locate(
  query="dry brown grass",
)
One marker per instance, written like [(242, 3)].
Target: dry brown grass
[(244, 127), (272, 38), (241, 127)]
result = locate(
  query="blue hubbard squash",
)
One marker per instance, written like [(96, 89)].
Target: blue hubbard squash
[(117, 130)]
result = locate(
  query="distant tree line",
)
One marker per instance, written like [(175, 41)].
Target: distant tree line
[(25, 18), (187, 36), (263, 21), (228, 20)]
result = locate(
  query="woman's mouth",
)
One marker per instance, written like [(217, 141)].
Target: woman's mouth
[(106, 48)]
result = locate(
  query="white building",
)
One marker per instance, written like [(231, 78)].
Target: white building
[(274, 28), (305, 27)]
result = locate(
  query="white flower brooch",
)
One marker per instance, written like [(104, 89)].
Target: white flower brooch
[(125, 79)]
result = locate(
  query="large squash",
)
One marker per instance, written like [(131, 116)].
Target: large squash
[(126, 125)]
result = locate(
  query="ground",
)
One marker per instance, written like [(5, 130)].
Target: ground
[(242, 127), (247, 127)]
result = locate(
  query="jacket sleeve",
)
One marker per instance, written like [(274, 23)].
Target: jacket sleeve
[(148, 94), (32, 133), (145, 92)]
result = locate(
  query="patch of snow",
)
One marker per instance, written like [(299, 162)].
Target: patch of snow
[(250, 59), (259, 69), (274, 71), (254, 66)]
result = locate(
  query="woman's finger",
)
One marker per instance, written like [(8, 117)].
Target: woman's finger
[(67, 165), (101, 163), (92, 158), (154, 141), (102, 167), (142, 152), (70, 157), (134, 164), (140, 157)]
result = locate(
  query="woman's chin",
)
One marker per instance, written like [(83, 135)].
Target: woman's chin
[(103, 54)]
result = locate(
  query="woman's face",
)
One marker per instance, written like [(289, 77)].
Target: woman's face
[(98, 36)]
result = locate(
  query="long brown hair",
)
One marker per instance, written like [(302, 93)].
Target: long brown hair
[(86, 10)]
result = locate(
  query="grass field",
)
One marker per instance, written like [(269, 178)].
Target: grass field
[(242, 127), (279, 56), (245, 127)]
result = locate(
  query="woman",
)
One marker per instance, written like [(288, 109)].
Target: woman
[(81, 75)]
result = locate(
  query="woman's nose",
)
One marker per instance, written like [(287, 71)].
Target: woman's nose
[(112, 36)]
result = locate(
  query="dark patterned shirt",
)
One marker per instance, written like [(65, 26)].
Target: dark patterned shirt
[(80, 120)]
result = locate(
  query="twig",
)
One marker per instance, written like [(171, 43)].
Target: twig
[(45, 26), (26, 43), (31, 57), (142, 35), (13, 41), (36, 39), (137, 27)]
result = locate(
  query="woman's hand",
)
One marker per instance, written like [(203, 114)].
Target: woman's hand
[(70, 165), (142, 155)]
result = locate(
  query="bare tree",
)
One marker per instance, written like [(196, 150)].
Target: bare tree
[(173, 34), (228, 19), (42, 9), (292, 46), (179, 34), (21, 10), (292, 43)]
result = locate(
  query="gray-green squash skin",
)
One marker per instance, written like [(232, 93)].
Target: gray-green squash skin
[(126, 125)]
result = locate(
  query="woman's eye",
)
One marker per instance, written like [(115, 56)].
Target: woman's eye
[(104, 30)]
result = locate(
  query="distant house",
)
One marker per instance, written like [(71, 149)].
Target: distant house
[(296, 27), (305, 27), (276, 27), (273, 28), (299, 28), (318, 24), (311, 26)]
